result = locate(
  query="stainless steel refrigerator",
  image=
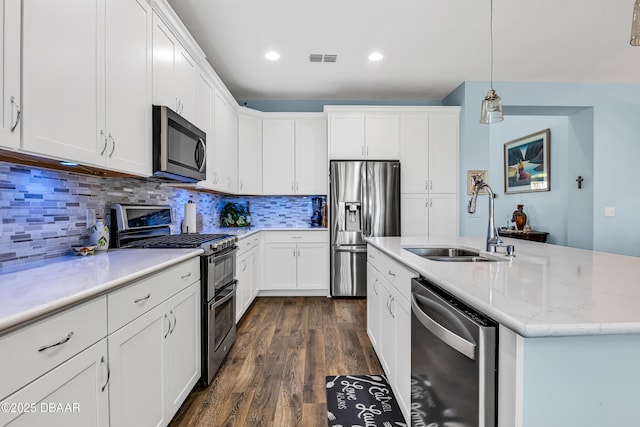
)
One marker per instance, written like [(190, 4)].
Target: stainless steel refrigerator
[(364, 201)]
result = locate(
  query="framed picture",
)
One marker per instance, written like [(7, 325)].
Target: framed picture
[(483, 174), (526, 164)]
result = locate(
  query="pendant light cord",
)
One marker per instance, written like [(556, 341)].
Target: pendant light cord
[(491, 38)]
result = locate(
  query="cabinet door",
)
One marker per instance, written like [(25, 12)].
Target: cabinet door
[(256, 272), (164, 56), (185, 84), (128, 85), (443, 152), (313, 265), (249, 154), (311, 156), (387, 331), (137, 360), (374, 297), (204, 107), (280, 266), (402, 377), (231, 150), (61, 56), (225, 147), (81, 383), (10, 23), (414, 153), (414, 214), (278, 157), (382, 136), (182, 363), (244, 277), (346, 136), (443, 215)]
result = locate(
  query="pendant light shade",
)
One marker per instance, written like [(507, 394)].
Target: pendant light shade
[(635, 25), (491, 109)]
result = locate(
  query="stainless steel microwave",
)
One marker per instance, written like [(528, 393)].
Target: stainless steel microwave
[(179, 147)]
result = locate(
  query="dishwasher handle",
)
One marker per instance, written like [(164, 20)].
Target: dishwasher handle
[(453, 340)]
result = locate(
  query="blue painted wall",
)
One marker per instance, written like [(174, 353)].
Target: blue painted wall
[(602, 117)]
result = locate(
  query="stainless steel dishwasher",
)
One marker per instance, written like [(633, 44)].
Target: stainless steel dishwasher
[(453, 361)]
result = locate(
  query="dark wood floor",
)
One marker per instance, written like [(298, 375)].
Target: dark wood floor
[(275, 373)]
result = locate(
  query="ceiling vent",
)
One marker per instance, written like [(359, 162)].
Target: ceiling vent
[(319, 57)]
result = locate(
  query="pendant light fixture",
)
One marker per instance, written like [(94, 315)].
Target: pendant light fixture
[(635, 25), (491, 109)]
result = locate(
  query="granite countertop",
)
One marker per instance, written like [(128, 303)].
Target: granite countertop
[(546, 290), (38, 290)]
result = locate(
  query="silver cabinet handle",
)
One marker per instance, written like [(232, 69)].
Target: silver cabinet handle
[(426, 203), (297, 188), (241, 184), (294, 252), (367, 151), (391, 273), (244, 265), (374, 287), (298, 252), (18, 114), (430, 185), (296, 237), (144, 298), (113, 147), (391, 301), (104, 137), (169, 328), (186, 276), (430, 202), (62, 341), (175, 321), (448, 337), (426, 184), (108, 372)]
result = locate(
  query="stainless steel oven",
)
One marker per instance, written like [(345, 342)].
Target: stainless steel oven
[(218, 310)]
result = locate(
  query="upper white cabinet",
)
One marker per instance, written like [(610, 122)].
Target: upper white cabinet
[(249, 152), (294, 155), (174, 72), (92, 105), (363, 133), (429, 143), (204, 105), (222, 149), (10, 27)]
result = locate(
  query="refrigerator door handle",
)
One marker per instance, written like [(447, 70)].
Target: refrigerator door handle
[(352, 249)]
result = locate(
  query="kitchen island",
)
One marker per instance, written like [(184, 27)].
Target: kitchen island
[(569, 335)]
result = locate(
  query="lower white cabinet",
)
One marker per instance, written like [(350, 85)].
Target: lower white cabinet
[(296, 261), (247, 274), (76, 393), (434, 215), (389, 322), (155, 361)]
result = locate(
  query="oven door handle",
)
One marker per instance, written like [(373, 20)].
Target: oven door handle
[(215, 304)]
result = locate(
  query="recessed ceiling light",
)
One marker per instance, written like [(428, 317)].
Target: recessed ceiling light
[(375, 56), (272, 55)]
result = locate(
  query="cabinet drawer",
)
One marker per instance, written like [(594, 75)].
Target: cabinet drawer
[(296, 237), (244, 244), (399, 276), (136, 299), (29, 352)]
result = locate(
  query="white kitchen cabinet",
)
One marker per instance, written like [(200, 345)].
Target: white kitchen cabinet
[(296, 261), (248, 274), (204, 105), (222, 169), (278, 154), (10, 29), (357, 133), (294, 156), (174, 72), (429, 215), (92, 104), (80, 386), (373, 306), (155, 361), (249, 152)]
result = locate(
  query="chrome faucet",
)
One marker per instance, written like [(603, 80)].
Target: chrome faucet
[(493, 238)]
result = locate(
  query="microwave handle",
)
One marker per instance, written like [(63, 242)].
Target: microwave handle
[(204, 158)]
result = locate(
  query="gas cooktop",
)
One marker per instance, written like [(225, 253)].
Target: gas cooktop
[(211, 243)]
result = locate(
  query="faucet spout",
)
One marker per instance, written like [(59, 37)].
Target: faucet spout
[(493, 238)]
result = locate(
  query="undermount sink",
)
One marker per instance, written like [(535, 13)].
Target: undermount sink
[(451, 255)]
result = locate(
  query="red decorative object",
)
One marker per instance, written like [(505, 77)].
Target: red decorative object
[(519, 217)]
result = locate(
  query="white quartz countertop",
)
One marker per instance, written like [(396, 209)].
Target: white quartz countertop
[(546, 290), (36, 291), (242, 232)]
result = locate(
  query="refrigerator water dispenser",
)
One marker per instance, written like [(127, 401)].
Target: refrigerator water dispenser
[(352, 217)]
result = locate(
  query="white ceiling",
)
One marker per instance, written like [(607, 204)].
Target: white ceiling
[(429, 46)]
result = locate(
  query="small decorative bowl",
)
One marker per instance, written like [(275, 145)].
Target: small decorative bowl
[(84, 250)]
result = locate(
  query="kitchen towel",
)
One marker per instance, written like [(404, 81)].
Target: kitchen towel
[(362, 400), (189, 222)]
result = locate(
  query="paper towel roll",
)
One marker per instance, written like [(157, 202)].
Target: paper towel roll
[(189, 222)]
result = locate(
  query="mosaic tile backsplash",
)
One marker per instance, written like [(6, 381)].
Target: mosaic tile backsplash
[(43, 213)]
